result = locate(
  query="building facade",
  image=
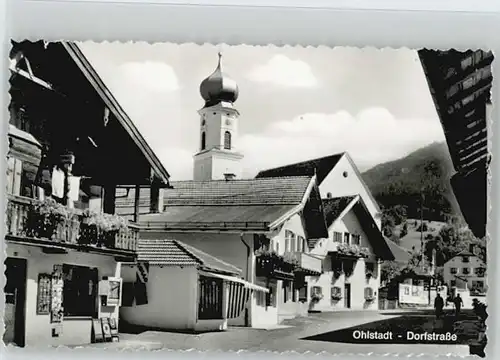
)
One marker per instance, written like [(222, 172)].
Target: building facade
[(353, 253), (65, 245), (466, 271)]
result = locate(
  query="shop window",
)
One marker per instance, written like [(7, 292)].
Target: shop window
[(80, 290)]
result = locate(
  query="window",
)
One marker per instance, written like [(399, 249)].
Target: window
[(335, 294), (271, 296), (453, 283), (337, 236), (284, 286), (301, 244), (293, 242), (465, 259), (227, 140), (317, 291), (80, 290), (346, 238), (478, 284), (356, 239), (14, 170), (479, 271), (288, 239), (203, 140), (466, 271), (260, 298), (453, 270), (21, 178), (303, 293), (368, 292)]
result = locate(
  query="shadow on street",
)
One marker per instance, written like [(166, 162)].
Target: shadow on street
[(418, 322)]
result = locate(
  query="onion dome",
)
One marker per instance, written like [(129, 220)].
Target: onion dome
[(218, 87)]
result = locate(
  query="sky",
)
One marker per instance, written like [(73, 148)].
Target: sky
[(295, 103)]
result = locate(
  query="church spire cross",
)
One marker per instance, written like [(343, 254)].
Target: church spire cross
[(220, 59)]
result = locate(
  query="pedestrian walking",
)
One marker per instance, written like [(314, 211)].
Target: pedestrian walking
[(438, 306), (458, 304)]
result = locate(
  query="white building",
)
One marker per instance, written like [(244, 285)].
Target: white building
[(466, 271)]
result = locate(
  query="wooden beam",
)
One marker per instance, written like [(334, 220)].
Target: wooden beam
[(136, 203)]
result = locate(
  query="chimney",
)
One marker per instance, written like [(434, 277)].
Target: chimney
[(328, 195), (229, 176), (156, 199)]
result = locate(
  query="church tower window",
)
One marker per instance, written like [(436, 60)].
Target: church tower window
[(227, 140), (203, 140)]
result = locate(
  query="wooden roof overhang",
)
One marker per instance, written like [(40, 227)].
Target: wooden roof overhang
[(460, 85), (70, 115)]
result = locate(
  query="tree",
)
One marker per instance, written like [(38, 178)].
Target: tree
[(389, 270)]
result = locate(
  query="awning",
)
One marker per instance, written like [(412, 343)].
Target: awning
[(246, 284)]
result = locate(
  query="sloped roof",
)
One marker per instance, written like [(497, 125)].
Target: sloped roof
[(94, 79), (333, 207), (401, 255), (166, 252), (220, 217), (275, 191), (320, 166), (245, 192)]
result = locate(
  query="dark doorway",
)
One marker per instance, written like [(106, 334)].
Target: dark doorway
[(15, 300), (347, 296)]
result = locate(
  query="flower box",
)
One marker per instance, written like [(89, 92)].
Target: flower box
[(270, 264), (355, 251)]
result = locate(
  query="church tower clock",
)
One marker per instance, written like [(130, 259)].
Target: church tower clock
[(218, 157)]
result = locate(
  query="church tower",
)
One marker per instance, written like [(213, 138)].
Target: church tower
[(218, 158)]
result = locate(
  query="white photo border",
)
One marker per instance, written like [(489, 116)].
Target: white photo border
[(415, 24)]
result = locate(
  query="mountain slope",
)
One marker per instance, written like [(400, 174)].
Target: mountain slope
[(426, 171)]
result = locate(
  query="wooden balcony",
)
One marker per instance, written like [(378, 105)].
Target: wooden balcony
[(52, 225), (307, 263), (271, 265)]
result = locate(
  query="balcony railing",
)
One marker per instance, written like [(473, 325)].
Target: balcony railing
[(31, 219), (308, 263), (271, 265)]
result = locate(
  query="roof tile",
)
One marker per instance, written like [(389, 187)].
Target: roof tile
[(320, 167), (168, 252)]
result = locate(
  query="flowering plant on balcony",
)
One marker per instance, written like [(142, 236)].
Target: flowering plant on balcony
[(49, 219), (353, 251), (336, 293), (369, 295), (270, 261), (100, 228), (337, 272)]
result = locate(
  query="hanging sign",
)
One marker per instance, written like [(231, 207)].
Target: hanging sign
[(44, 294), (56, 305)]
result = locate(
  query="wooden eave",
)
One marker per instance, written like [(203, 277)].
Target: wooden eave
[(94, 79)]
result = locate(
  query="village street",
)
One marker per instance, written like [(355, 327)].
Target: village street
[(329, 332)]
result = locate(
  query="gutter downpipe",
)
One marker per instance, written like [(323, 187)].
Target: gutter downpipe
[(246, 272)]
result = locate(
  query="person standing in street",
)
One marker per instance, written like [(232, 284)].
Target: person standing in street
[(458, 304), (438, 306)]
